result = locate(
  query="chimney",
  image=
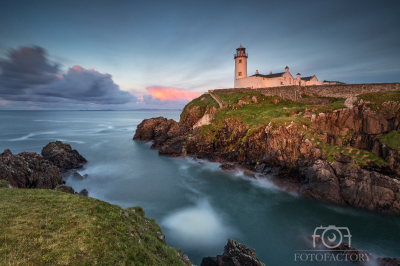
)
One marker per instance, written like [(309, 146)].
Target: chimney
[(298, 75), (257, 72), (286, 69), (270, 73)]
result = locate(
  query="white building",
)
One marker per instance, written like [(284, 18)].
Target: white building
[(262, 81)]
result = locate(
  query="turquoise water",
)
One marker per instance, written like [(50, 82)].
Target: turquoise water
[(197, 205)]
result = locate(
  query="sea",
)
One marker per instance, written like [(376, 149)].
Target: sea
[(198, 205)]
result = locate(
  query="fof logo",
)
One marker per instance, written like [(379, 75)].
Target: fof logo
[(330, 234), (337, 241)]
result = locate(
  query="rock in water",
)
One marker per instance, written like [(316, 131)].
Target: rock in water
[(84, 193), (235, 254), (28, 170), (63, 156)]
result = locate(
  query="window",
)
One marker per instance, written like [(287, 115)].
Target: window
[(290, 81), (240, 73), (240, 61), (284, 78)]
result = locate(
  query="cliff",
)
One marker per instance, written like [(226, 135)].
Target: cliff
[(342, 151)]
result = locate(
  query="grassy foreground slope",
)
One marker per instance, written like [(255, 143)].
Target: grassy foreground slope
[(46, 227)]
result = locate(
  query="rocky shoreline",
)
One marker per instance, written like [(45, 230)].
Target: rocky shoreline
[(293, 155), (42, 171)]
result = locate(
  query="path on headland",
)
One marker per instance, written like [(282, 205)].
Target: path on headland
[(219, 100)]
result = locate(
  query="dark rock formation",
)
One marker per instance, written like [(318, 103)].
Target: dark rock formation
[(28, 170), (147, 129), (227, 166), (167, 135), (388, 261), (340, 183), (84, 193), (63, 156), (320, 182), (66, 189), (235, 254), (70, 190)]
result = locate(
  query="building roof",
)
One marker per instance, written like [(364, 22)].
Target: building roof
[(307, 78), (333, 81), (276, 75)]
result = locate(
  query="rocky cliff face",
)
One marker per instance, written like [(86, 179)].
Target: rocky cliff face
[(340, 183), (344, 156)]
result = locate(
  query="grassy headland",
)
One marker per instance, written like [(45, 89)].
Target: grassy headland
[(46, 227), (275, 112)]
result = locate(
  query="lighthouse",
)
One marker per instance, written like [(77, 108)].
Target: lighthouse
[(240, 63)]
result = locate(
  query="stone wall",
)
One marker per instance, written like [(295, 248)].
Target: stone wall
[(231, 91), (294, 93), (287, 92), (347, 90)]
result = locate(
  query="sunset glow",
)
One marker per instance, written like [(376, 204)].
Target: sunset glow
[(165, 93)]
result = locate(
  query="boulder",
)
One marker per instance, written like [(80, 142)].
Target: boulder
[(65, 188), (227, 166), (84, 193), (234, 254), (249, 174), (277, 100), (242, 103), (344, 158), (63, 156)]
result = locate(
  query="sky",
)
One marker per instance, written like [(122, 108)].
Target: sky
[(127, 55)]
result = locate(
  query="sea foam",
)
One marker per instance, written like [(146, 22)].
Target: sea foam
[(198, 226)]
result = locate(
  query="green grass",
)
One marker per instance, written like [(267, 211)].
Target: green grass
[(3, 184), (378, 98), (331, 99), (202, 102), (361, 157), (45, 227), (331, 107), (256, 116), (233, 99), (391, 139)]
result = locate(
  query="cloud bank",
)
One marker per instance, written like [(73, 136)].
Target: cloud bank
[(27, 75)]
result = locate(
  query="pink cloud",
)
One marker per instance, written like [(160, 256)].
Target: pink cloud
[(167, 93)]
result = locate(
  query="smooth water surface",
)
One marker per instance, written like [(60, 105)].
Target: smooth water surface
[(197, 205)]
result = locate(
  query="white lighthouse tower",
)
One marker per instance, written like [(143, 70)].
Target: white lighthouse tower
[(240, 63)]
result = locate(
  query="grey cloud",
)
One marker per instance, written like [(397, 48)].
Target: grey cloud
[(26, 67), (27, 75)]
